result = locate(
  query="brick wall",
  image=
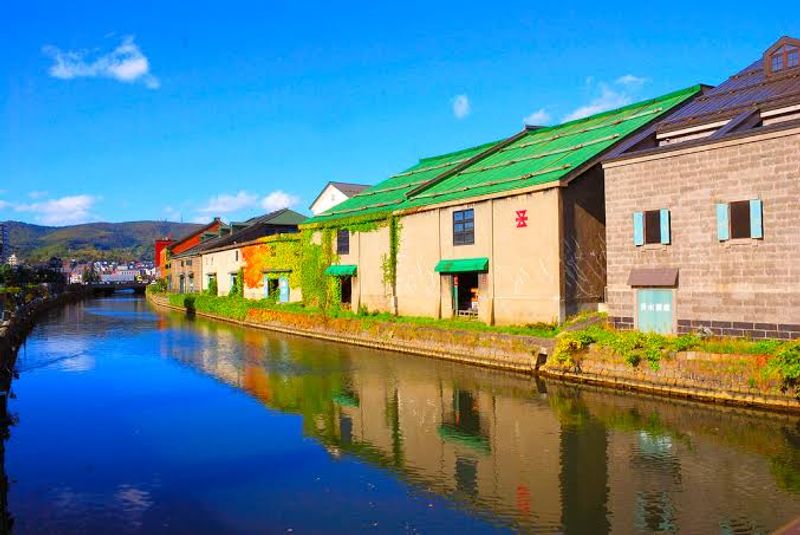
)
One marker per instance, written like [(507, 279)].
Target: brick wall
[(749, 287)]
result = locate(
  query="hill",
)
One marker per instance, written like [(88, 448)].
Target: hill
[(92, 241)]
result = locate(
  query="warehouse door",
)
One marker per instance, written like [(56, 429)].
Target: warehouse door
[(654, 310)]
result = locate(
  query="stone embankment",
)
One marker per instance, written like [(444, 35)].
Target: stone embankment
[(17, 321), (717, 378), (495, 350)]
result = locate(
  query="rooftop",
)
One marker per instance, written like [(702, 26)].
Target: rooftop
[(254, 228), (753, 87), (529, 158)]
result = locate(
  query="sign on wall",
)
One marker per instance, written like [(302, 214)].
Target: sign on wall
[(522, 218)]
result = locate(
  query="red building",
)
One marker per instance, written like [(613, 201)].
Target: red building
[(166, 247)]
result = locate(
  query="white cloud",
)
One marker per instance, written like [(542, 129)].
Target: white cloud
[(225, 203), (538, 118), (68, 210), (37, 194), (4, 204), (622, 92), (279, 199), (126, 63), (630, 80), (608, 100), (461, 106)]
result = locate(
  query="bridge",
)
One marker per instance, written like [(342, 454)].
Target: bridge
[(108, 288)]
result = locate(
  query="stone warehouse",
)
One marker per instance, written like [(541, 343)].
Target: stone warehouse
[(699, 214), (510, 232)]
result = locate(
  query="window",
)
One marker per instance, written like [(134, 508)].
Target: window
[(739, 220), (793, 57), (464, 227), (777, 62), (343, 242), (651, 227), (785, 57), (236, 256)]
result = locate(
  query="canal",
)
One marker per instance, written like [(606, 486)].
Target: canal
[(125, 419)]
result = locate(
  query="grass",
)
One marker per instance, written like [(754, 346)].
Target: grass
[(237, 308)]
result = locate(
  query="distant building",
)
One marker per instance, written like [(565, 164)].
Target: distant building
[(335, 193), (13, 260), (121, 275), (220, 256), (167, 247)]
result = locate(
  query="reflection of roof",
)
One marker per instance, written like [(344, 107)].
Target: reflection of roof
[(530, 158), (283, 220), (747, 89)]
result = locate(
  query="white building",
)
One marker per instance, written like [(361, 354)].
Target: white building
[(335, 193)]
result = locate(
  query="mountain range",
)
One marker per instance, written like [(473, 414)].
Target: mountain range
[(122, 242)]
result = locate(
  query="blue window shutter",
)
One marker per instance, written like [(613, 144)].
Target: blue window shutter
[(723, 230), (756, 226), (638, 228), (665, 237)]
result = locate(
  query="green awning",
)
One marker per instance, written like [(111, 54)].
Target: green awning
[(344, 270), (462, 265), (451, 433)]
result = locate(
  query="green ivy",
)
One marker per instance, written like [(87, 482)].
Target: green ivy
[(389, 261), (212, 289)]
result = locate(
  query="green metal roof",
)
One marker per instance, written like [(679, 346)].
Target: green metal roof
[(390, 194), (527, 159), (462, 265), (341, 270)]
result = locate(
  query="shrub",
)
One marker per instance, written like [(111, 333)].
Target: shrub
[(786, 363), (570, 343), (158, 286), (212, 287), (685, 342)]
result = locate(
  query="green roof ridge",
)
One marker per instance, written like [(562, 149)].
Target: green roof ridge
[(492, 172), (688, 90), (449, 155)]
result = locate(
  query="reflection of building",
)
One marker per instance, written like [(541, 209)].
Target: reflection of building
[(573, 460)]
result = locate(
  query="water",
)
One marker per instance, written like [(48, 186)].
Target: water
[(130, 420)]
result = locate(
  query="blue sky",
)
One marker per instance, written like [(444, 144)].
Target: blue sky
[(182, 111)]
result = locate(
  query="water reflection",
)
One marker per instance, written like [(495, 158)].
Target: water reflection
[(500, 451), (577, 460)]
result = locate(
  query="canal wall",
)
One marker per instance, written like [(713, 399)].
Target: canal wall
[(494, 350), (737, 380), (719, 378), (16, 323)]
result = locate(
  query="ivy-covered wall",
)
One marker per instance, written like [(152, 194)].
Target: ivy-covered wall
[(273, 257), (374, 245)]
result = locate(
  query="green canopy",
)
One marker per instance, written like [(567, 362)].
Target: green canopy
[(451, 433), (462, 265), (344, 270)]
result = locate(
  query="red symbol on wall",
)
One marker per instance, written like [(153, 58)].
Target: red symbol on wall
[(522, 218)]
